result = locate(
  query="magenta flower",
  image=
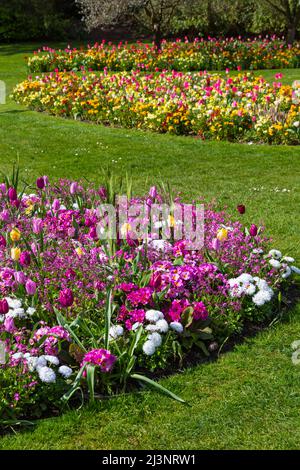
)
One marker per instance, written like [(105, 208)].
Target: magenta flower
[(40, 182), (9, 325), (216, 244), (30, 287), (2, 242), (200, 311), (12, 194), (66, 298), (25, 258), (100, 357), (153, 192), (20, 277), (253, 230), (37, 226), (241, 209), (4, 308), (74, 188)]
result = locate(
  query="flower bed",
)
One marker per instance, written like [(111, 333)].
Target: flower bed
[(237, 108), (81, 312), (179, 55)]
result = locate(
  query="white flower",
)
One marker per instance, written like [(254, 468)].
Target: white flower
[(152, 328), (274, 263), (116, 331), (32, 363), (288, 259), (149, 348), (65, 371), (250, 289), (176, 326), (295, 270), (52, 360), (296, 124), (286, 273), (276, 254), (162, 326), (30, 311), (47, 375), (19, 312), (41, 362), (245, 278), (262, 297), (156, 339), (136, 325), (154, 315), (14, 303), (160, 245)]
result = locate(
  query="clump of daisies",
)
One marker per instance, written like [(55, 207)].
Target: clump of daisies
[(247, 285), (283, 264), (17, 309), (156, 328), (43, 366)]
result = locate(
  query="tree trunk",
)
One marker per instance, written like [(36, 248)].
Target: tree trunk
[(157, 36), (291, 35)]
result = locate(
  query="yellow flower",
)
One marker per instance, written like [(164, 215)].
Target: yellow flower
[(29, 209), (15, 235), (222, 234), (15, 254), (171, 221), (79, 251)]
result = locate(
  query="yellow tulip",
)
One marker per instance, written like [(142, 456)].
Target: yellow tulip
[(171, 221), (15, 254), (222, 234), (15, 235), (125, 229)]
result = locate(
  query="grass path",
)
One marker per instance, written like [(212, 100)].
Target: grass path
[(250, 398)]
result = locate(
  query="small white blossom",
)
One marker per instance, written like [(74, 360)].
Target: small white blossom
[(136, 325), (176, 326), (47, 375), (65, 371), (295, 269), (276, 254), (156, 339), (152, 328), (288, 259), (154, 315), (52, 360), (162, 326), (286, 273), (17, 356), (116, 331), (13, 303), (32, 363), (30, 311), (274, 263), (149, 348)]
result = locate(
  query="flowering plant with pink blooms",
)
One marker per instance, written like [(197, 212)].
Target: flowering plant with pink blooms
[(83, 312)]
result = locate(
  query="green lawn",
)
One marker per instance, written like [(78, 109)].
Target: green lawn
[(250, 398)]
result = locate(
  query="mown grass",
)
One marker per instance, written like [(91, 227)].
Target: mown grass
[(250, 398)]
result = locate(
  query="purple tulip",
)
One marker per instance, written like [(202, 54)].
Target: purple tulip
[(37, 226), (74, 188), (25, 258), (2, 241), (253, 230), (20, 277), (102, 192), (34, 249), (12, 194), (216, 244), (66, 298), (30, 287), (3, 188), (9, 325), (4, 216), (93, 233), (153, 192), (4, 308), (56, 205), (40, 182)]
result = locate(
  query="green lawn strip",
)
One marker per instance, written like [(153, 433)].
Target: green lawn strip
[(250, 398)]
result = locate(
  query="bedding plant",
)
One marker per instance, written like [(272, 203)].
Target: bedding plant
[(83, 316)]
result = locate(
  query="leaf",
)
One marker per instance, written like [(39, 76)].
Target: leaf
[(157, 386), (187, 317), (108, 314), (66, 397), (90, 375)]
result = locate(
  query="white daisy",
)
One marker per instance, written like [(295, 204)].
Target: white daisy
[(154, 315), (149, 348), (156, 339), (47, 375), (116, 331), (52, 360), (274, 263), (162, 326), (65, 371), (176, 326), (295, 270), (276, 254)]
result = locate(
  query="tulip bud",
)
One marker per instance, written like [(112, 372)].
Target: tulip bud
[(20, 277), (74, 188), (4, 308), (153, 192), (15, 235), (30, 287), (15, 254), (102, 192), (9, 325), (12, 194), (66, 298), (215, 244), (222, 235), (37, 226), (241, 209), (56, 205), (253, 230), (40, 182), (25, 258)]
